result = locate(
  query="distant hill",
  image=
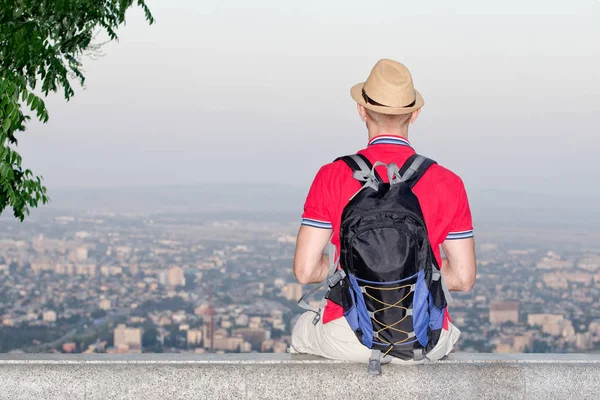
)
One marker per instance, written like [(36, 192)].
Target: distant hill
[(490, 207), (520, 208), (184, 198)]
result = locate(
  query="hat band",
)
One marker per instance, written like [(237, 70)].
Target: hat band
[(374, 103)]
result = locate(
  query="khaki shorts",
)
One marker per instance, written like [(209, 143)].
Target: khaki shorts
[(336, 340)]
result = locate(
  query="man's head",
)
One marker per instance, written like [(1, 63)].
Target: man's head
[(387, 100), (378, 123)]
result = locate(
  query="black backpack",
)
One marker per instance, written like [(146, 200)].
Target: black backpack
[(390, 285)]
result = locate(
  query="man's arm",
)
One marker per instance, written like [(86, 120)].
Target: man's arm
[(310, 264), (459, 268)]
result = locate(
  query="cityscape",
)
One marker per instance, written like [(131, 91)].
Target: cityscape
[(108, 282)]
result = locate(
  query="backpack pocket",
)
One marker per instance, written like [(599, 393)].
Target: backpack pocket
[(382, 313), (421, 310), (347, 301), (437, 304), (384, 252)]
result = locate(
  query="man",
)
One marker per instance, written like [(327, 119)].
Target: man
[(388, 103)]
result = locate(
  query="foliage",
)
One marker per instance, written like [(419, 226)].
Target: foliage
[(42, 43)]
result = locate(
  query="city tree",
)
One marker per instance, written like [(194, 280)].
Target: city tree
[(42, 45)]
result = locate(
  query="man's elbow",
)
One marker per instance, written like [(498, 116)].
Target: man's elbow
[(302, 274), (466, 283), (302, 277)]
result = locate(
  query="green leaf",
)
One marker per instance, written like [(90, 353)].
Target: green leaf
[(6, 125), (11, 89)]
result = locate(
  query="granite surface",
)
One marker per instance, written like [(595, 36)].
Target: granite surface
[(298, 377)]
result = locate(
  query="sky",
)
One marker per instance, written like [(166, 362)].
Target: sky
[(258, 91)]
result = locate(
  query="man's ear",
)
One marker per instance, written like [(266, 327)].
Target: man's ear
[(362, 112), (414, 116)]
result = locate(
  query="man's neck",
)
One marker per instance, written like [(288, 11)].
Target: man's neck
[(377, 131)]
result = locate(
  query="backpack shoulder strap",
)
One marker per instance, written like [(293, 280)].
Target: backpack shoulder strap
[(414, 168), (358, 162)]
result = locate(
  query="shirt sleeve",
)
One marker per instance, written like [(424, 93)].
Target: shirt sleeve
[(316, 208), (461, 226)]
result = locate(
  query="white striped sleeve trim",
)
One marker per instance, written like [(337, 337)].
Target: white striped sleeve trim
[(316, 223), (460, 235)]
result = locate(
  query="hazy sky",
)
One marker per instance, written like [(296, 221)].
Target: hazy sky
[(239, 90)]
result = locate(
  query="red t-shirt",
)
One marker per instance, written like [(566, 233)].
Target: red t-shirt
[(441, 194)]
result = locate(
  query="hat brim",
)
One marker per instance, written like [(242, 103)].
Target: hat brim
[(356, 93)]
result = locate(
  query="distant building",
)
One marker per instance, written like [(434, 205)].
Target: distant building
[(255, 323), (201, 310), (179, 317), (556, 280), (554, 261), (163, 278), (503, 346), (563, 328), (78, 254), (176, 277), (85, 269), (594, 329), (583, 341), (273, 346), (266, 346), (8, 322), (105, 304), (543, 319), (280, 347), (108, 270), (292, 291), (504, 311), (134, 268), (81, 253), (254, 336), (194, 337), (49, 316), (522, 343), (226, 324), (589, 262), (245, 347), (82, 234), (242, 320), (223, 342), (553, 324), (128, 338)]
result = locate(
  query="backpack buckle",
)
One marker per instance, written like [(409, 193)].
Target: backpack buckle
[(335, 278), (317, 318), (374, 367)]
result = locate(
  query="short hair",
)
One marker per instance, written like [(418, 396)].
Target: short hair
[(388, 119)]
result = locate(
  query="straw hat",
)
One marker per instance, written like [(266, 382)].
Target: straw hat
[(388, 90)]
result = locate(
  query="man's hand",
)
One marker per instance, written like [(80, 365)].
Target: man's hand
[(310, 264), (459, 270)]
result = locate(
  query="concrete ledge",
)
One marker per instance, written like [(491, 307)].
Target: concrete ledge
[(282, 376)]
